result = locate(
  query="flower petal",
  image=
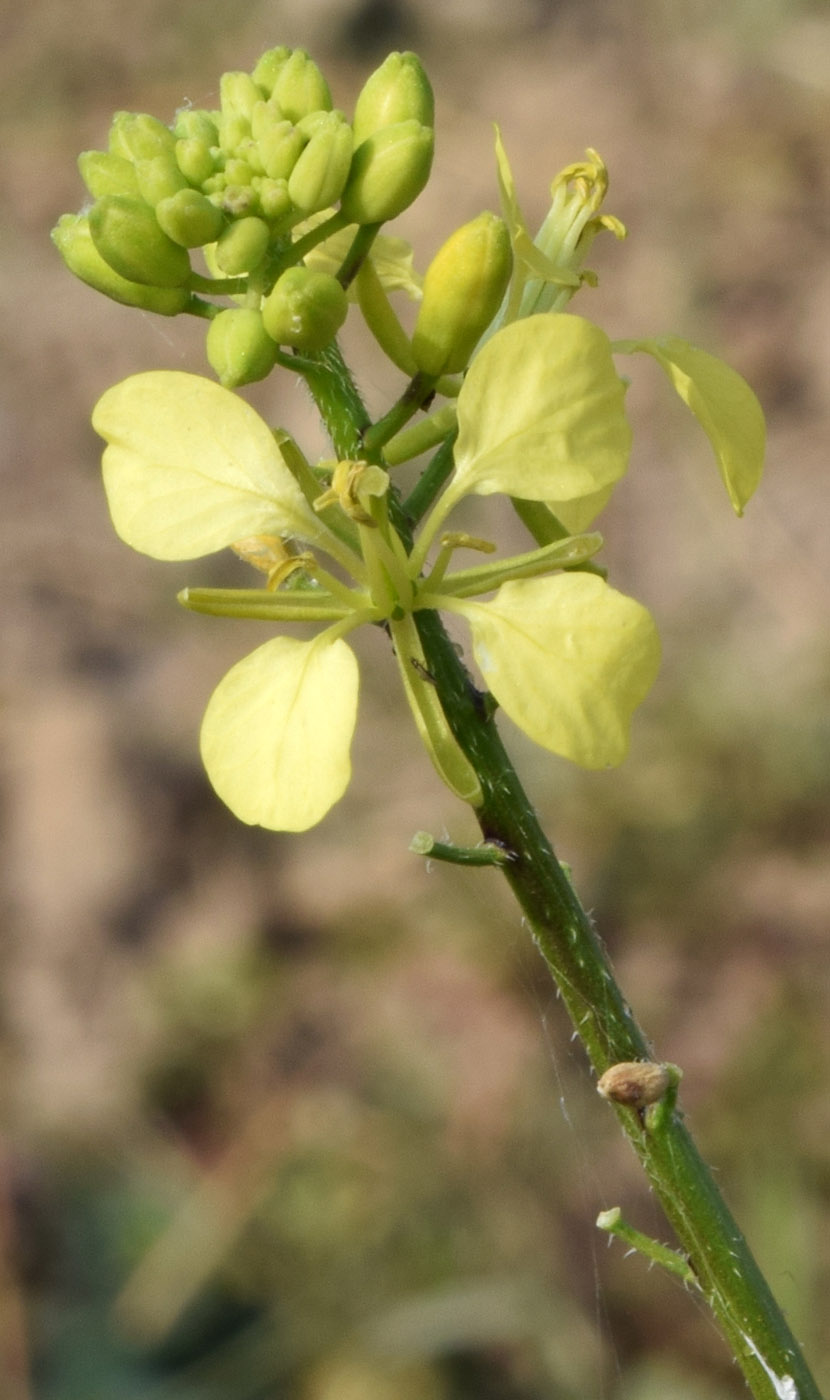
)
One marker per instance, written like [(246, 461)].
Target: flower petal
[(723, 404), (541, 413), (191, 467), (569, 659), (277, 731)]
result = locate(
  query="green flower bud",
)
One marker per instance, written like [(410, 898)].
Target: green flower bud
[(73, 240), (239, 201), (238, 94), (280, 146), (189, 218), (242, 246), (104, 173), (238, 172), (138, 136), (305, 309), (312, 121), (463, 289), (158, 178), (273, 199), (300, 88), (195, 159), (395, 92), (233, 130), (269, 67), (127, 236), (239, 349), (318, 178), (389, 170), (194, 125)]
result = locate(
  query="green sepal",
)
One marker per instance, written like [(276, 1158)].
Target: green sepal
[(319, 174), (190, 219), (238, 347), (300, 88), (103, 173), (73, 240), (242, 246), (305, 309), (128, 237), (389, 169), (159, 177), (269, 66), (138, 136), (397, 91)]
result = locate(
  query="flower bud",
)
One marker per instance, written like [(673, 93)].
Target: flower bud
[(242, 246), (280, 145), (158, 178), (233, 130), (463, 289), (139, 136), (189, 218), (104, 173), (397, 91), (389, 169), (239, 349), (305, 309), (238, 94), (273, 199), (317, 180), (269, 67), (127, 236), (192, 124), (300, 87), (195, 160), (73, 241)]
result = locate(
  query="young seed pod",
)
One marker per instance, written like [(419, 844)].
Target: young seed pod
[(635, 1084), (317, 179), (388, 171), (190, 219), (242, 246), (397, 91), (463, 289), (73, 240), (104, 173), (239, 349), (128, 237), (305, 309)]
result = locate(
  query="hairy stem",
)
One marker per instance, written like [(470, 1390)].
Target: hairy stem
[(718, 1256)]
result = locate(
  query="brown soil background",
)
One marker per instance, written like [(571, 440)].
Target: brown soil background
[(359, 1054)]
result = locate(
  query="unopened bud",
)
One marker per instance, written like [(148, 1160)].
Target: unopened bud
[(159, 177), (389, 169), (300, 88), (318, 178), (138, 136), (397, 91), (190, 219), (104, 173), (280, 145), (463, 289), (192, 124), (242, 246), (233, 130), (305, 309), (239, 349), (73, 241), (238, 94), (195, 159), (269, 67), (127, 236), (273, 199)]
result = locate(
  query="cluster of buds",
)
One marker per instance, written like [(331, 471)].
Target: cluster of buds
[(256, 185)]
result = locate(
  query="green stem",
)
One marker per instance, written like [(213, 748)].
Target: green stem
[(717, 1253)]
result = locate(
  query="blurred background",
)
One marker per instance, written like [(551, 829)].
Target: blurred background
[(301, 1116)]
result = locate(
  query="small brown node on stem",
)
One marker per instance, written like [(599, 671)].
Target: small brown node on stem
[(634, 1084)]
